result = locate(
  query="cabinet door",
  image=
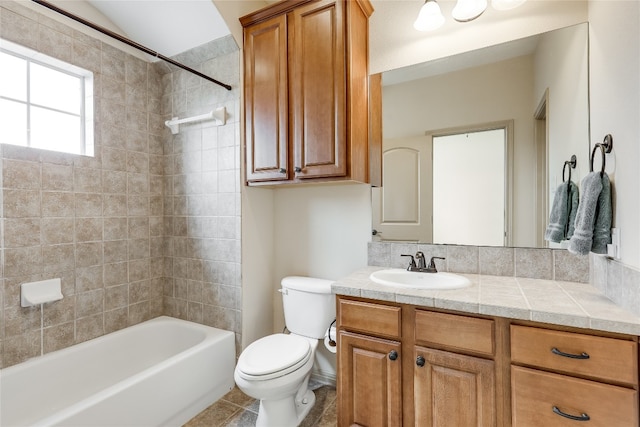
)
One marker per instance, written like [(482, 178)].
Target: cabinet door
[(318, 89), (369, 381), (452, 390), (265, 97)]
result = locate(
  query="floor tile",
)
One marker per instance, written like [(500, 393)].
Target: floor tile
[(236, 409)]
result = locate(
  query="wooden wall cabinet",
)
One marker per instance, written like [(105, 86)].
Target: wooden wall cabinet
[(306, 108), (400, 364)]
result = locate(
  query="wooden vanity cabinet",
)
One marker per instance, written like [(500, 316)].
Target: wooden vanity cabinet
[(404, 365), (399, 365), (306, 92), (561, 378)]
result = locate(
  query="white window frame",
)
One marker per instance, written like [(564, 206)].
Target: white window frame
[(86, 100)]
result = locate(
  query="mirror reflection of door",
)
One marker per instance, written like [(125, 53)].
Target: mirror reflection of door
[(430, 180), (468, 210), (402, 206)]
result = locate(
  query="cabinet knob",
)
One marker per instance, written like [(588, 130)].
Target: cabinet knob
[(297, 169), (283, 170), (393, 355), (420, 361)]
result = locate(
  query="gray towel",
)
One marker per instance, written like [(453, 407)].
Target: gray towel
[(594, 208), (604, 217), (563, 213)]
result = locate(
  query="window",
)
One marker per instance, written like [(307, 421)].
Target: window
[(44, 102)]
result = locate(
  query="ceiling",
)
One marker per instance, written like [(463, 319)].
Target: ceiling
[(170, 27)]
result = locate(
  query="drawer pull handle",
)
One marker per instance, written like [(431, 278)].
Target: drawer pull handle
[(393, 355), (581, 356), (420, 361), (581, 417)]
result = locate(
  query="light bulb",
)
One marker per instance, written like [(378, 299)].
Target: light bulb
[(430, 17), (468, 10)]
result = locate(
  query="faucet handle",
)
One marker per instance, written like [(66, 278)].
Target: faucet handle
[(412, 264), (432, 264)]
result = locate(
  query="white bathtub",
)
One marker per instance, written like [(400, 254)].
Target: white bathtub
[(158, 373)]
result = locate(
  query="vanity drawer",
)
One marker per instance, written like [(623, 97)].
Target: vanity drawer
[(608, 359), (369, 318), (455, 332), (535, 394)]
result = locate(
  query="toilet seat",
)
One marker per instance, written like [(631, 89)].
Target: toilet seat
[(273, 356)]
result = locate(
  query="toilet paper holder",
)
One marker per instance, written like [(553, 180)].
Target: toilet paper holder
[(331, 341)]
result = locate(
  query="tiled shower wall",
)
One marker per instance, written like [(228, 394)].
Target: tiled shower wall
[(102, 224), (95, 222), (202, 191)]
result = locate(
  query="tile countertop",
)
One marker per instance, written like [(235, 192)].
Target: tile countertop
[(547, 301)]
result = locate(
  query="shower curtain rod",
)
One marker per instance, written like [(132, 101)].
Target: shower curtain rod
[(127, 41)]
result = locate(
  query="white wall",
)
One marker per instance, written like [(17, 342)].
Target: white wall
[(615, 108), (561, 67), (320, 231)]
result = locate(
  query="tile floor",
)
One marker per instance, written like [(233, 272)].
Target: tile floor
[(236, 409)]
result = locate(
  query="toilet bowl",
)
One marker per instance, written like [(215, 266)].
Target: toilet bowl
[(276, 369)]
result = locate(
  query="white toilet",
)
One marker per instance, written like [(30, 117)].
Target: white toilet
[(276, 369)]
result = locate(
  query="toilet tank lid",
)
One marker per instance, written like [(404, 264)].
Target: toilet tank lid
[(307, 284)]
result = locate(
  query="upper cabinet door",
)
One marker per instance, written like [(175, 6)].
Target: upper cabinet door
[(265, 97), (318, 89)]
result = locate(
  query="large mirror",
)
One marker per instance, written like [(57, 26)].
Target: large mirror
[(529, 95)]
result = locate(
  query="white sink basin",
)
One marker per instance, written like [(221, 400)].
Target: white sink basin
[(411, 279)]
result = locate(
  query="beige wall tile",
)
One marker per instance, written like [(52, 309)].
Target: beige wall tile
[(21, 203), (58, 204), (57, 230), (19, 232)]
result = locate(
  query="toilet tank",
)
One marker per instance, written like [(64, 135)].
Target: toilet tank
[(309, 305)]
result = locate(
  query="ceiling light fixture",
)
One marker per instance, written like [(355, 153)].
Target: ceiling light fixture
[(468, 10), (431, 18)]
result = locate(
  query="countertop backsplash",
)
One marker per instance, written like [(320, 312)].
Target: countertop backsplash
[(549, 264), (619, 282)]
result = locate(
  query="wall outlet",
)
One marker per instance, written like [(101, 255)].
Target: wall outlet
[(613, 250)]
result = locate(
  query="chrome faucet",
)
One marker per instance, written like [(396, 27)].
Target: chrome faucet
[(420, 261), (421, 265)]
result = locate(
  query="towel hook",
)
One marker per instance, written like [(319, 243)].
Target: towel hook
[(572, 165), (605, 147)]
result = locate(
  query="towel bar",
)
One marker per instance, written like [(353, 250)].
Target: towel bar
[(605, 147), (572, 165)]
